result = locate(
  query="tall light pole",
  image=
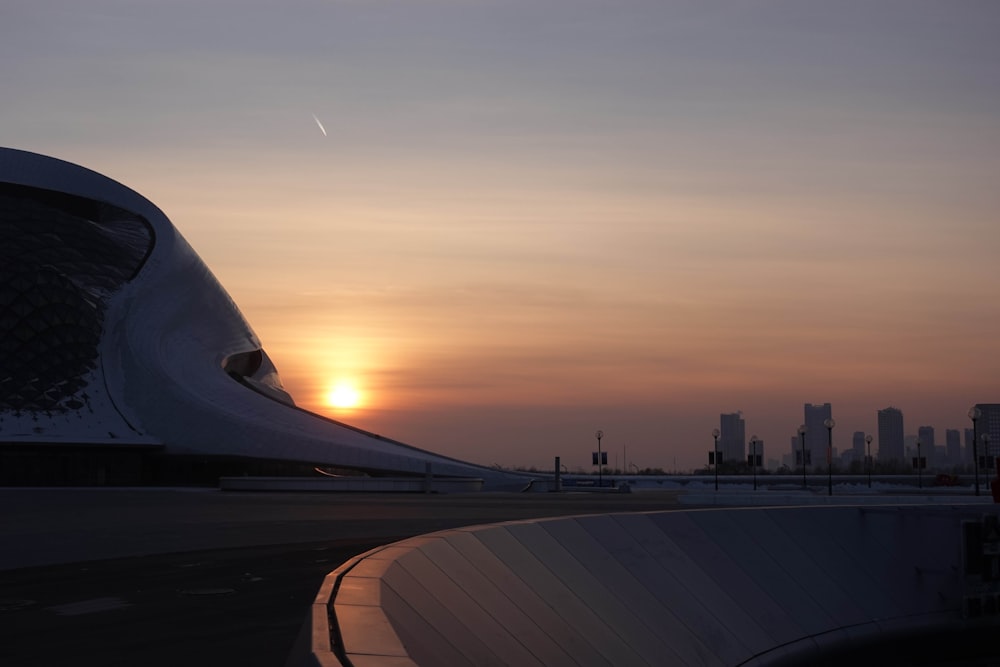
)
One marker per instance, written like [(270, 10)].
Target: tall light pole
[(868, 441), (802, 438), (974, 414), (829, 424), (753, 459), (600, 468), (986, 446), (715, 437), (920, 477)]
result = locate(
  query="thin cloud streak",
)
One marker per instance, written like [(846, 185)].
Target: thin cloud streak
[(319, 125)]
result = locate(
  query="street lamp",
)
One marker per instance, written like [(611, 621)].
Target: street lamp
[(715, 437), (829, 424), (753, 459), (868, 441), (986, 446), (920, 478), (600, 468), (974, 414), (802, 438)]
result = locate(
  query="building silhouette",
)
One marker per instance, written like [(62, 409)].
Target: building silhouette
[(890, 436), (953, 447), (732, 438), (816, 435), (858, 446), (792, 458), (988, 424), (759, 449), (928, 447)]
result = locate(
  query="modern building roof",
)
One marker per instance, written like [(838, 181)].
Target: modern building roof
[(114, 331)]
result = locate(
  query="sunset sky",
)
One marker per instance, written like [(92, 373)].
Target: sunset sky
[(506, 224)]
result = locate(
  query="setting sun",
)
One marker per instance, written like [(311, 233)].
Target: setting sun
[(343, 396)]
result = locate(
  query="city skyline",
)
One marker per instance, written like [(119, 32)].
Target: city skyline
[(488, 229), (891, 441)]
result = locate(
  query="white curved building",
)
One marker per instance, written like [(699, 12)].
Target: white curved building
[(119, 347)]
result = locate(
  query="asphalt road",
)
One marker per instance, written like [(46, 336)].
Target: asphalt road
[(157, 577)]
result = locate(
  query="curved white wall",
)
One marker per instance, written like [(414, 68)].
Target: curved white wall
[(775, 586)]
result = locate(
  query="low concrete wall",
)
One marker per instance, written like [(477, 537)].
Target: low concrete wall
[(355, 484), (753, 586)]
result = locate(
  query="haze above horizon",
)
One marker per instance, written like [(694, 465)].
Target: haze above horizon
[(490, 228)]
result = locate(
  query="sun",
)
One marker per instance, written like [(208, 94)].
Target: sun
[(343, 396)]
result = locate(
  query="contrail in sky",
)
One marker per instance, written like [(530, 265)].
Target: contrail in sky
[(321, 128)]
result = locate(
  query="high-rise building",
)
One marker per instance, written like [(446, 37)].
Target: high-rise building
[(967, 439), (759, 448), (925, 436), (953, 446), (988, 424), (816, 435), (890, 435), (732, 438), (792, 460), (858, 446)]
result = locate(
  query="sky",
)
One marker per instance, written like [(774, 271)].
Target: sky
[(502, 225)]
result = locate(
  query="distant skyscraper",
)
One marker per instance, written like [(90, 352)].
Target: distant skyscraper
[(816, 435), (858, 446), (967, 454), (732, 438), (989, 423), (925, 435), (760, 452), (953, 445), (890, 435)]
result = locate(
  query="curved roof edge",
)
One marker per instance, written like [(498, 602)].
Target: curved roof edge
[(165, 339), (41, 171)]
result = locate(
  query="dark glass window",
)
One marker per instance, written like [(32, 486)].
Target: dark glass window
[(60, 258)]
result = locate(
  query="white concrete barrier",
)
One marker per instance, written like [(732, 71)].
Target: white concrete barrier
[(753, 586)]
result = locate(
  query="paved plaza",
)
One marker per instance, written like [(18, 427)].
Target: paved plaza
[(158, 577)]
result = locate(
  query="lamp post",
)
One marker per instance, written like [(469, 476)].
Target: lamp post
[(600, 468), (986, 446), (974, 414), (868, 441), (753, 459), (802, 438), (715, 437), (829, 424), (920, 478)]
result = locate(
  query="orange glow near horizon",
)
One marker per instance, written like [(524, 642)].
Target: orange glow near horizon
[(664, 222), (343, 396)]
